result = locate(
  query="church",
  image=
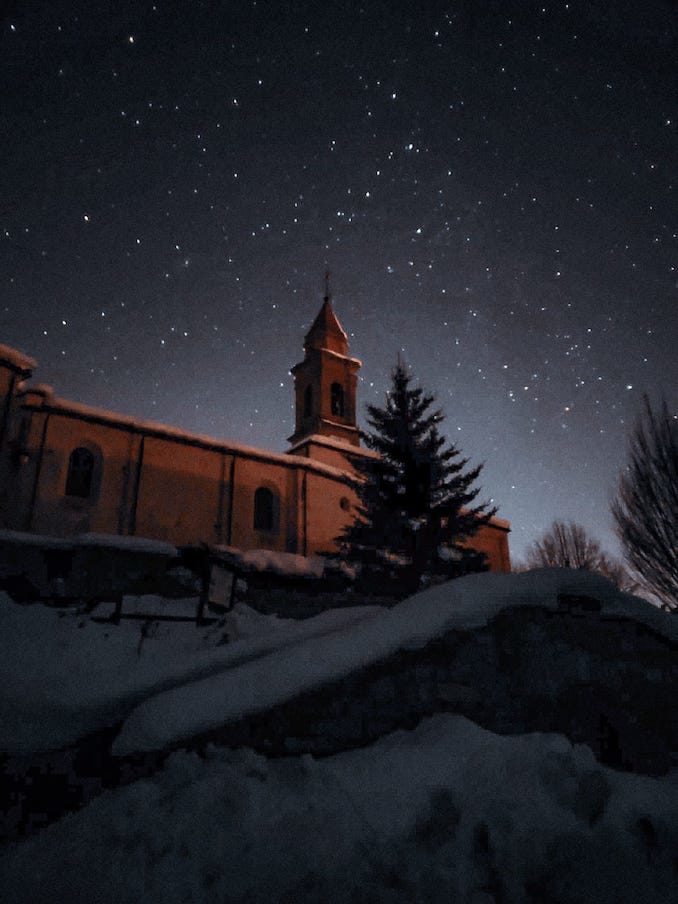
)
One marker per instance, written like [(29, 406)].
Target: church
[(67, 468)]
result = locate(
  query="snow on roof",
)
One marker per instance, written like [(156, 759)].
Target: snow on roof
[(17, 360), (500, 523), (132, 544), (43, 390), (463, 604), (21, 538), (334, 443), (45, 541), (272, 561), (105, 416), (332, 354)]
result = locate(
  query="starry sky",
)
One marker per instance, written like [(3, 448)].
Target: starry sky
[(492, 185)]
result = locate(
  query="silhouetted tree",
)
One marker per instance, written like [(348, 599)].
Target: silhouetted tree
[(564, 545), (615, 571), (414, 514), (568, 545), (645, 509)]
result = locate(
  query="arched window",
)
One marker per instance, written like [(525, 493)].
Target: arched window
[(337, 399), (308, 401), (264, 509), (80, 473)]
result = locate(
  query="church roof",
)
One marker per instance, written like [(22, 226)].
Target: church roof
[(45, 400), (327, 332)]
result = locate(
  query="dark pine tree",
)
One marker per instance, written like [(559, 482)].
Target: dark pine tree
[(416, 499)]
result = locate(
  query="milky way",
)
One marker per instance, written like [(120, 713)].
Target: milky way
[(492, 185)]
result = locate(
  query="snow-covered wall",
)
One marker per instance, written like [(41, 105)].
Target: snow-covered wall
[(527, 671), (84, 703), (551, 651)]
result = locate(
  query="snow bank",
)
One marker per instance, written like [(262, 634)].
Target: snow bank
[(285, 673), (63, 676), (447, 812)]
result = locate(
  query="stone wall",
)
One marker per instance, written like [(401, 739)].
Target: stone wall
[(610, 683), (607, 682)]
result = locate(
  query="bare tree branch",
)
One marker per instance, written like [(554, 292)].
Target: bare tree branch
[(567, 545), (646, 507)]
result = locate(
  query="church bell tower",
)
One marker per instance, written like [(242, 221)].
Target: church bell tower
[(325, 384)]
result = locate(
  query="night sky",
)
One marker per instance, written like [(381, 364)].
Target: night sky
[(493, 186)]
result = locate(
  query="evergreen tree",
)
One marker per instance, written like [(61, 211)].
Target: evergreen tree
[(416, 498)]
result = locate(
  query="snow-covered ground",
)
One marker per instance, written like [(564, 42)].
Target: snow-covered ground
[(228, 694), (446, 812), (63, 675)]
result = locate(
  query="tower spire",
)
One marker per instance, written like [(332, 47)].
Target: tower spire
[(326, 331), (326, 381)]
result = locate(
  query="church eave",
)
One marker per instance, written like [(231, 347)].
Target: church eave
[(90, 414), (354, 362), (17, 361), (332, 442)]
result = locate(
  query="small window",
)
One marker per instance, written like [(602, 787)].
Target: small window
[(80, 473), (337, 400), (308, 401), (264, 509)]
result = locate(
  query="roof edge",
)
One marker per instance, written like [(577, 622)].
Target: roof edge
[(17, 361)]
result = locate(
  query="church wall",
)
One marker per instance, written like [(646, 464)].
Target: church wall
[(8, 380), (167, 487), (250, 474), (324, 513), (19, 470), (159, 482), (328, 456), (295, 502), (14, 369), (182, 492), (45, 507), (492, 539), (180, 496)]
